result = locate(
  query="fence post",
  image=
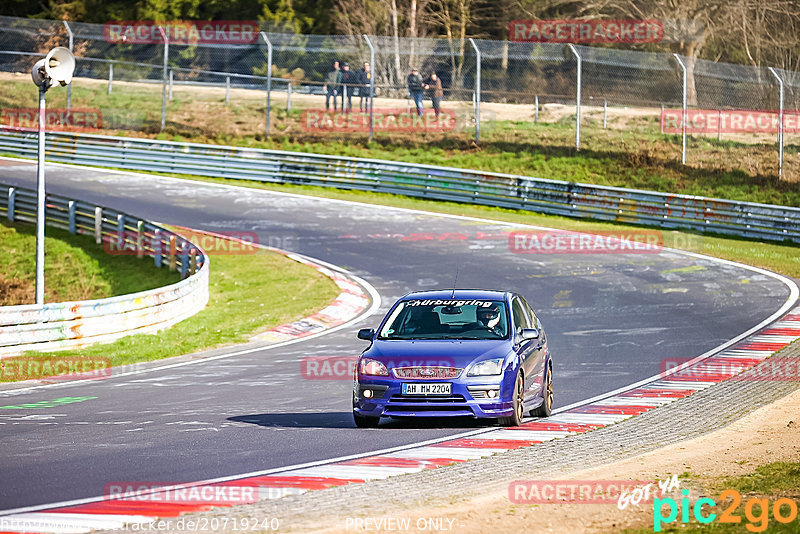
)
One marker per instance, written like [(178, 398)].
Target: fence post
[(12, 193), (719, 125), (184, 259), (536, 110), (98, 225), (69, 87), (227, 89), (171, 71), (71, 216), (371, 80), (661, 118), (477, 91), (685, 108), (110, 76), (164, 79), (288, 97), (120, 231), (139, 239), (157, 247), (605, 113), (173, 264), (269, 78), (577, 98), (780, 123)]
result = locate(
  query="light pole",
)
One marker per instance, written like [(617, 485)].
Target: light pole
[(56, 67)]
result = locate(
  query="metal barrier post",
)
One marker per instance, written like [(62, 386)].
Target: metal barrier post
[(40, 200), (164, 79), (69, 87), (227, 89), (477, 91), (269, 78), (171, 71), (172, 253), (536, 108), (157, 248), (120, 231), (371, 82), (184, 259), (110, 76), (12, 193), (577, 98), (780, 123), (71, 216), (288, 97), (685, 108), (98, 225), (605, 113), (140, 239)]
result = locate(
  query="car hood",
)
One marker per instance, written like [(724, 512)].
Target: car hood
[(446, 353)]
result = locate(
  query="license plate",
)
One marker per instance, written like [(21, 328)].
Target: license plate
[(443, 388)]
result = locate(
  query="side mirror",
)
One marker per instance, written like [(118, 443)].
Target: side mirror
[(530, 333), (366, 334)]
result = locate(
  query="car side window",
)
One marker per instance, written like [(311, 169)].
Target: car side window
[(531, 314), (520, 317)]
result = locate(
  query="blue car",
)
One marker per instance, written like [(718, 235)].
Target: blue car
[(455, 353)]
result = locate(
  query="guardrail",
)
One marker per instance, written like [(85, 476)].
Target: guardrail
[(745, 219), (66, 324)]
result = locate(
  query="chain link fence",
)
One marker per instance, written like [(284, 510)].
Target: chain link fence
[(491, 90)]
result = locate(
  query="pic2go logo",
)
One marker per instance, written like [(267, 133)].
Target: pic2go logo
[(756, 511)]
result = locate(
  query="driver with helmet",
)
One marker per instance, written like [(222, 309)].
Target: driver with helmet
[(489, 318)]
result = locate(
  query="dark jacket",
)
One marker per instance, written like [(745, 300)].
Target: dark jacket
[(415, 83), (333, 78), (435, 90), (363, 77), (348, 78)]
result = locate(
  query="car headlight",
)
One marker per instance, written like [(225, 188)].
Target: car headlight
[(486, 368), (372, 367)]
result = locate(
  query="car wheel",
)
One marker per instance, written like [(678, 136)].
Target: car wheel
[(365, 421), (517, 402), (546, 409)]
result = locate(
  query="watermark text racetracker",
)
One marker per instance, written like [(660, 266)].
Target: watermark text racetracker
[(343, 367), (56, 119), (608, 242), (17, 368), (230, 243), (384, 120), (182, 31), (586, 31)]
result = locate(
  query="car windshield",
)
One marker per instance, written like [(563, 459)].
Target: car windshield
[(447, 319)]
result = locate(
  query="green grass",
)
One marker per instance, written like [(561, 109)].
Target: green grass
[(75, 268), (769, 482), (630, 153), (248, 294)]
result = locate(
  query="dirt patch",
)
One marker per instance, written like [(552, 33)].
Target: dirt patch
[(769, 434), (15, 291)]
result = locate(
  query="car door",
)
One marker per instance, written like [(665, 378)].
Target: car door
[(525, 349), (538, 353)]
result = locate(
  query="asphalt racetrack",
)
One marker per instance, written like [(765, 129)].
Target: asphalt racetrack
[(611, 319)]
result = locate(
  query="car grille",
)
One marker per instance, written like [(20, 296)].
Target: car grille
[(456, 404), (427, 372)]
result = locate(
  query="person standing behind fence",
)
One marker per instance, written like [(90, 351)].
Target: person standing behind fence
[(349, 79), (416, 89), (364, 76), (434, 87), (331, 87)]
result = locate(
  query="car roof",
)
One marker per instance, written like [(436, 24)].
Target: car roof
[(458, 294)]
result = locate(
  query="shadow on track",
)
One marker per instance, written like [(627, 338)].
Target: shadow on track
[(345, 420)]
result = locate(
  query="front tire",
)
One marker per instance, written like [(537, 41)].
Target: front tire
[(546, 408), (365, 421), (517, 403)]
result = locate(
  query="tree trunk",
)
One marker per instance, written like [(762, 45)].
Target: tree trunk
[(395, 34), (412, 32)]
